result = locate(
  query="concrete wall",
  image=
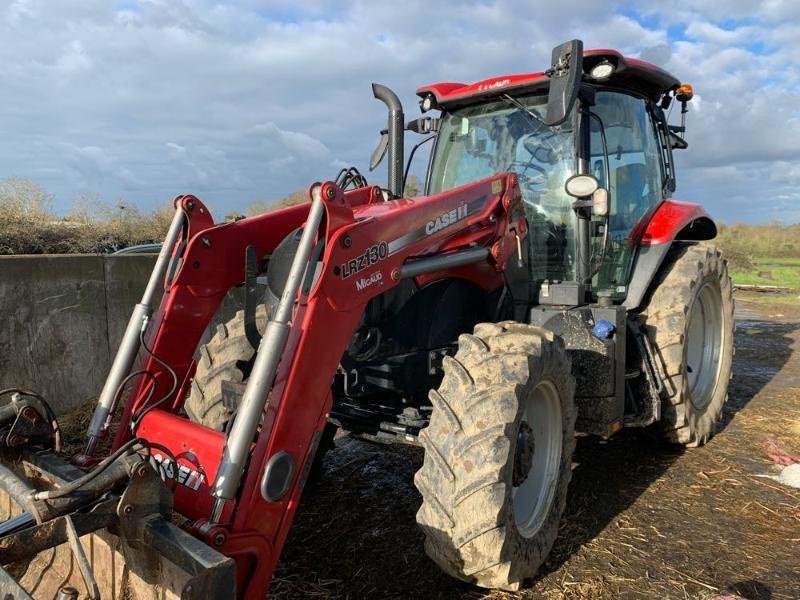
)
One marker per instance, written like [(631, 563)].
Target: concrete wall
[(63, 317)]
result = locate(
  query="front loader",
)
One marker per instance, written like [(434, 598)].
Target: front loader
[(544, 283)]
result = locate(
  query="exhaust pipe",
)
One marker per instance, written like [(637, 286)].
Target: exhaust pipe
[(129, 347), (395, 132)]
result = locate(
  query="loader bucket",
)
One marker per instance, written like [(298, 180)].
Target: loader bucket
[(121, 544)]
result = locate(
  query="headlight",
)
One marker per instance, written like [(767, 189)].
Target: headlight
[(602, 70), (581, 186)]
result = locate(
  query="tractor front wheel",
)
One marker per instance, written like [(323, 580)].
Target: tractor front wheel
[(228, 356), (498, 455)]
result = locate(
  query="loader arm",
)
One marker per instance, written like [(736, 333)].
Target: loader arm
[(369, 246)]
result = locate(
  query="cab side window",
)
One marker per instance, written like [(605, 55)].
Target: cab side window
[(634, 177)]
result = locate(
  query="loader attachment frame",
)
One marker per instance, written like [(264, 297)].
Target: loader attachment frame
[(238, 492), (121, 541)]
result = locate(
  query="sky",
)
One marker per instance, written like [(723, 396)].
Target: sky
[(247, 100)]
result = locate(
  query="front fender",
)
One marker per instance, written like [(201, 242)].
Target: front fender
[(674, 220), (669, 222)]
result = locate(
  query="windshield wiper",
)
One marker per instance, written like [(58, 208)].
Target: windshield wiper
[(525, 109)]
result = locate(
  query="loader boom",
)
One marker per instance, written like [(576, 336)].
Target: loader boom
[(369, 246)]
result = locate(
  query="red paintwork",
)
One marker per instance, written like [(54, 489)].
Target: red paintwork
[(323, 324), (636, 73), (662, 224), (198, 449)]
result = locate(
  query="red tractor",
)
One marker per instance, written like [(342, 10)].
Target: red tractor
[(544, 284)]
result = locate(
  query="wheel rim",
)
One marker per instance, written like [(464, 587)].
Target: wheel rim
[(704, 339), (537, 459)]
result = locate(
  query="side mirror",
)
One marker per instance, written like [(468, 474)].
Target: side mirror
[(565, 78)]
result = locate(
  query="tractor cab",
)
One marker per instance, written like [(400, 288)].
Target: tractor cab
[(605, 123)]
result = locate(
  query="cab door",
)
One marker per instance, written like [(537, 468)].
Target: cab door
[(634, 175)]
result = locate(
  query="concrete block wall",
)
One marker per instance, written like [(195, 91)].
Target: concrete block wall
[(62, 318)]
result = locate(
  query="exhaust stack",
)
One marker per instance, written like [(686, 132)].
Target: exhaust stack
[(395, 137)]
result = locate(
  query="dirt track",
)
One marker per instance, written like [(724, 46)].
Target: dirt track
[(642, 519)]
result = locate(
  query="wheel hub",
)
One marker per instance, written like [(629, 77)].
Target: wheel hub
[(537, 459), (704, 340), (523, 461)]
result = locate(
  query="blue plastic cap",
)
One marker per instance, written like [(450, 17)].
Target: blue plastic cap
[(603, 329)]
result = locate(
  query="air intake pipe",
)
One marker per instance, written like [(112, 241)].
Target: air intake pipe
[(395, 133)]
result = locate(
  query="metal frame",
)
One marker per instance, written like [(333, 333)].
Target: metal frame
[(140, 513), (384, 242)]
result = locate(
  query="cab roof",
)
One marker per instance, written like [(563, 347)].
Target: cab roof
[(629, 73)]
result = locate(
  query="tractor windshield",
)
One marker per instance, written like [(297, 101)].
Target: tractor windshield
[(505, 135)]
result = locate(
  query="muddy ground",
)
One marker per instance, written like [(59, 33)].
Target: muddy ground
[(642, 519)]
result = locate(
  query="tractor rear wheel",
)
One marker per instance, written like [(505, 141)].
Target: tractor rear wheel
[(498, 455), (689, 321)]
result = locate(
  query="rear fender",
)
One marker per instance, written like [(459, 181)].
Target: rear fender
[(669, 222)]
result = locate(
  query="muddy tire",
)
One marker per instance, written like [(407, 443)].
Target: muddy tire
[(689, 321), (228, 356), (498, 455)]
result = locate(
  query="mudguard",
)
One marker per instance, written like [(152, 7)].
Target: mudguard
[(669, 222)]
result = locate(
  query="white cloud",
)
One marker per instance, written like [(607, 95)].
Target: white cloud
[(254, 99), (95, 163), (293, 141)]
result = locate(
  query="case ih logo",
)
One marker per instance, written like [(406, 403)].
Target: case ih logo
[(185, 476), (497, 83), (374, 254), (451, 217), (366, 282)]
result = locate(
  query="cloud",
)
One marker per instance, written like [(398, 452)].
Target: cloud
[(95, 164), (255, 99), (659, 54), (293, 141)]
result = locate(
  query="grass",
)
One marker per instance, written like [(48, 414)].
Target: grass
[(770, 299), (780, 272)]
